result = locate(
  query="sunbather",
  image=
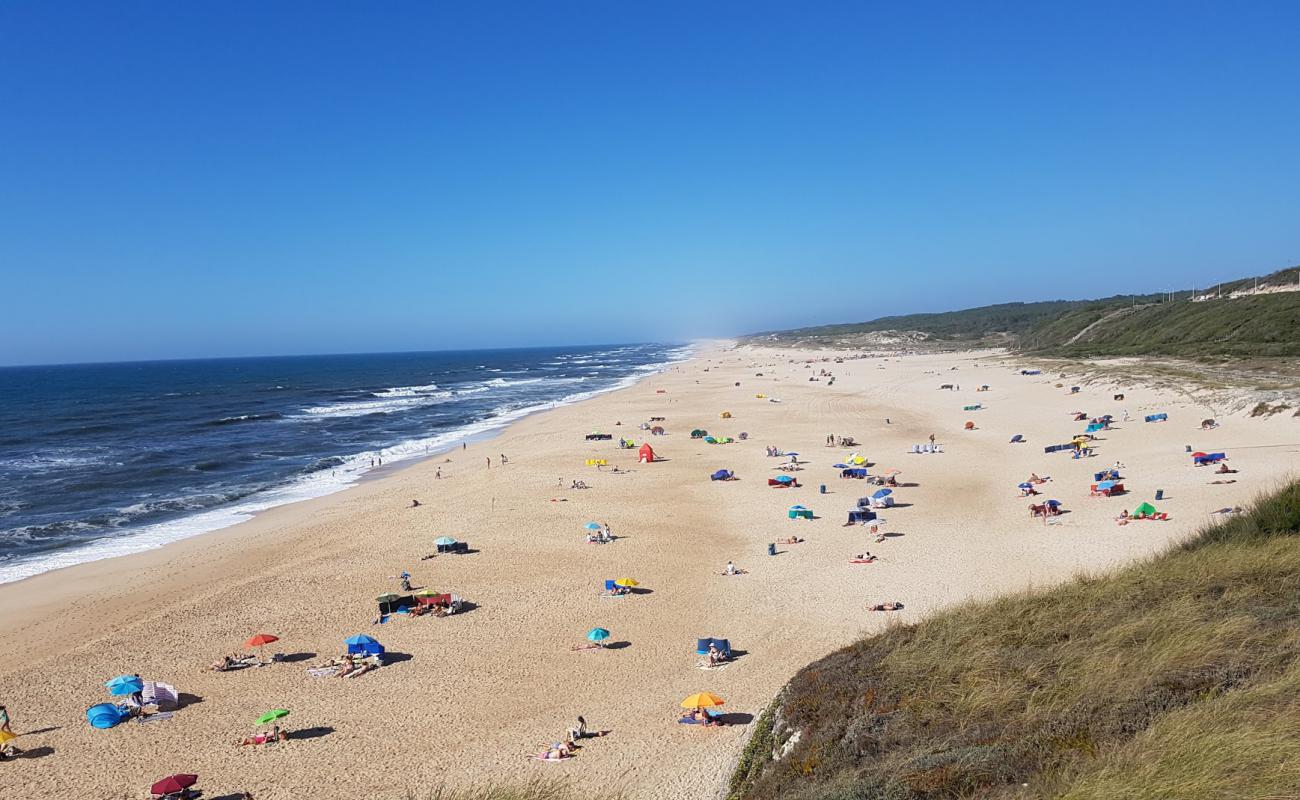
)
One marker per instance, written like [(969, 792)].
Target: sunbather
[(791, 540), (864, 558), (893, 606)]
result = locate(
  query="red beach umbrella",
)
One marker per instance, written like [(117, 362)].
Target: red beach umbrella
[(261, 640), (176, 783)]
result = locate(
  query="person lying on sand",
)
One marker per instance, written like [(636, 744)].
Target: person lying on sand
[(1232, 480), (556, 752), (791, 540), (863, 558), (699, 716), (577, 648), (894, 606), (1224, 470)]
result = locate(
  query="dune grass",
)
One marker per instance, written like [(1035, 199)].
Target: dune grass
[(1174, 678)]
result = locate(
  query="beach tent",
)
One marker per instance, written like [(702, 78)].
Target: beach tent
[(782, 481), (657, 430), (1096, 426), (853, 472), (799, 512), (725, 415), (106, 715), (646, 455), (722, 475), (1156, 418), (1017, 439), (699, 433), (1145, 510), (975, 407), (861, 515), (970, 426), (702, 646), (363, 645), (710, 440)]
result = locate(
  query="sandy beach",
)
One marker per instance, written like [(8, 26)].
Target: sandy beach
[(466, 698)]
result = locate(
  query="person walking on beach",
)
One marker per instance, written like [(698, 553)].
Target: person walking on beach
[(504, 460), (489, 462), (437, 473), (4, 720), (932, 440)]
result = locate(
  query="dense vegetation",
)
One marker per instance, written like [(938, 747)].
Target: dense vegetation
[(1264, 326), (1176, 678)]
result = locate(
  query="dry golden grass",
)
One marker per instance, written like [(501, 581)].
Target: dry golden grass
[(1173, 678)]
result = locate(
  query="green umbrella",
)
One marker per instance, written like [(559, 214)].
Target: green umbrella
[(272, 716), (444, 540), (388, 598)]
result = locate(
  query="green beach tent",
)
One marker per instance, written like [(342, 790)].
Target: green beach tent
[(1144, 510)]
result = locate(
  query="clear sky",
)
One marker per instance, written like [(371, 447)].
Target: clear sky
[(234, 178)]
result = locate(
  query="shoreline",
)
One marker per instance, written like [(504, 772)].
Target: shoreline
[(234, 515), (502, 678)]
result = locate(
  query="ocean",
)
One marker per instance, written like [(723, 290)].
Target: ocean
[(99, 460)]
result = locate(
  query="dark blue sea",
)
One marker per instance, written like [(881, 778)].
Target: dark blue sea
[(99, 460)]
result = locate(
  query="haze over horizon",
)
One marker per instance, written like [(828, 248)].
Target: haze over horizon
[(322, 178)]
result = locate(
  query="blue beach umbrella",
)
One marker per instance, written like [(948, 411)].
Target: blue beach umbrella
[(792, 453), (592, 526), (882, 493), (444, 540), (124, 685), (1026, 485), (1054, 503), (359, 639), (597, 635), (1106, 485)]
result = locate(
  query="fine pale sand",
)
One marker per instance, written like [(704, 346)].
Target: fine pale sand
[(473, 694)]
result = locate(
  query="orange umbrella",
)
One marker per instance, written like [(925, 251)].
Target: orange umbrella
[(702, 700), (261, 640)]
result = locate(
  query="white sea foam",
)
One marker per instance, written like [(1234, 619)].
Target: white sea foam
[(385, 405), (316, 484)]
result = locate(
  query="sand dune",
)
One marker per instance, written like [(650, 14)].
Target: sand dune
[(470, 695)]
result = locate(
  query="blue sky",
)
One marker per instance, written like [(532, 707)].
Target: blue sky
[(200, 179)]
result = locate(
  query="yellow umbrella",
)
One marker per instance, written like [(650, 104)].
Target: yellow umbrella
[(6, 736), (426, 593), (702, 700), (626, 583)]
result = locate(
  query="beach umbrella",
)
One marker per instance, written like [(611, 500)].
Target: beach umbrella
[(1198, 454), (1053, 503), (1025, 485), (388, 598), (882, 493), (273, 715), (892, 471), (792, 453), (124, 685), (626, 582), (427, 593), (597, 635), (359, 639), (261, 640), (703, 700), (174, 784), (444, 540), (592, 526)]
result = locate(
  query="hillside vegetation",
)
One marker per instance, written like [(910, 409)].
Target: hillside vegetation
[(1255, 326), (1175, 678)]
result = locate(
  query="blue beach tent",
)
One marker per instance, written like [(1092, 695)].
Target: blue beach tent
[(722, 475), (106, 715), (702, 646)]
